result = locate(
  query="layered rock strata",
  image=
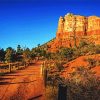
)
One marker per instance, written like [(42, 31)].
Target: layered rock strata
[(73, 28)]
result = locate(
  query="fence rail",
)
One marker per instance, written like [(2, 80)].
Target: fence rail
[(5, 68)]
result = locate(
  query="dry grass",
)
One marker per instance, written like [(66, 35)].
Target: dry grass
[(51, 93)]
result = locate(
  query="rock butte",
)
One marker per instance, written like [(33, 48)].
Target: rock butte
[(75, 27)]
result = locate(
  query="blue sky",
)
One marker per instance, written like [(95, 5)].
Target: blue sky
[(32, 22)]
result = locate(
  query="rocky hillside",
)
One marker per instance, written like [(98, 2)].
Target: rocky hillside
[(74, 28), (91, 61)]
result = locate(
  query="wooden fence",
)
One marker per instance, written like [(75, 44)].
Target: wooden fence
[(10, 67)]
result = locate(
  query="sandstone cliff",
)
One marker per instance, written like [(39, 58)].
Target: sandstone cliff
[(72, 28)]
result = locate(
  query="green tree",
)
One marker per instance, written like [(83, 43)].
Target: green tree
[(33, 54), (10, 53), (19, 49), (27, 55), (2, 54), (38, 45), (19, 53)]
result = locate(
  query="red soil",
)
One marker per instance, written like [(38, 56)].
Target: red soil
[(81, 61), (24, 84)]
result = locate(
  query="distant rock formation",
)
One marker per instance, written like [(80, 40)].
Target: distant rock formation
[(72, 28)]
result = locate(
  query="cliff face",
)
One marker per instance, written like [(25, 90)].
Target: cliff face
[(75, 27)]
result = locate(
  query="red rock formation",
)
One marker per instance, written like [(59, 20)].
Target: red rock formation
[(93, 25), (71, 27)]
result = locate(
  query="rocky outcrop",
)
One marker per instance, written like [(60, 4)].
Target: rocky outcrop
[(72, 28), (93, 25)]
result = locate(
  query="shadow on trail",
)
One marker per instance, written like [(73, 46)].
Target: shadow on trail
[(18, 75), (1, 79), (7, 83), (35, 97)]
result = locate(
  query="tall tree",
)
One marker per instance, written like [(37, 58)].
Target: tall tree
[(9, 56), (27, 55), (19, 53), (19, 49), (2, 54)]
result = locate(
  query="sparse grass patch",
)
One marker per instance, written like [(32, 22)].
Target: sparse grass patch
[(51, 93), (1, 74), (93, 62), (83, 85)]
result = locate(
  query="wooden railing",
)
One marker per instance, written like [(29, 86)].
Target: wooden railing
[(10, 67)]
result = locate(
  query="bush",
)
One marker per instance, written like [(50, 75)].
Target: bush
[(51, 93), (92, 62), (59, 66), (98, 63), (97, 49), (66, 53), (83, 85), (88, 48), (82, 43)]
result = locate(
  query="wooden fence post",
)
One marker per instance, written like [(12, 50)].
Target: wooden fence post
[(24, 64), (18, 65), (41, 69), (9, 67), (62, 92), (45, 77)]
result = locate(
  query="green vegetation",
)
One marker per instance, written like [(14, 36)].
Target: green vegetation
[(82, 84), (82, 44), (21, 54), (51, 93), (10, 54), (93, 62), (88, 48), (2, 55), (27, 55), (66, 53)]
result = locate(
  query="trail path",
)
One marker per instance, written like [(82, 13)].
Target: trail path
[(26, 84)]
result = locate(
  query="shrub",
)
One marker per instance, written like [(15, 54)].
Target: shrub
[(97, 49), (82, 43), (83, 85), (51, 93), (59, 66), (92, 62), (66, 53), (98, 63)]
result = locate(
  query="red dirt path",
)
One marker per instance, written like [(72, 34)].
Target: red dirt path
[(26, 84)]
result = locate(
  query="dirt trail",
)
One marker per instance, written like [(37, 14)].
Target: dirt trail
[(24, 84)]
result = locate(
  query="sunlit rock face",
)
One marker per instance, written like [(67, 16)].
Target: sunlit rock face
[(60, 27), (77, 26), (81, 25), (93, 25)]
